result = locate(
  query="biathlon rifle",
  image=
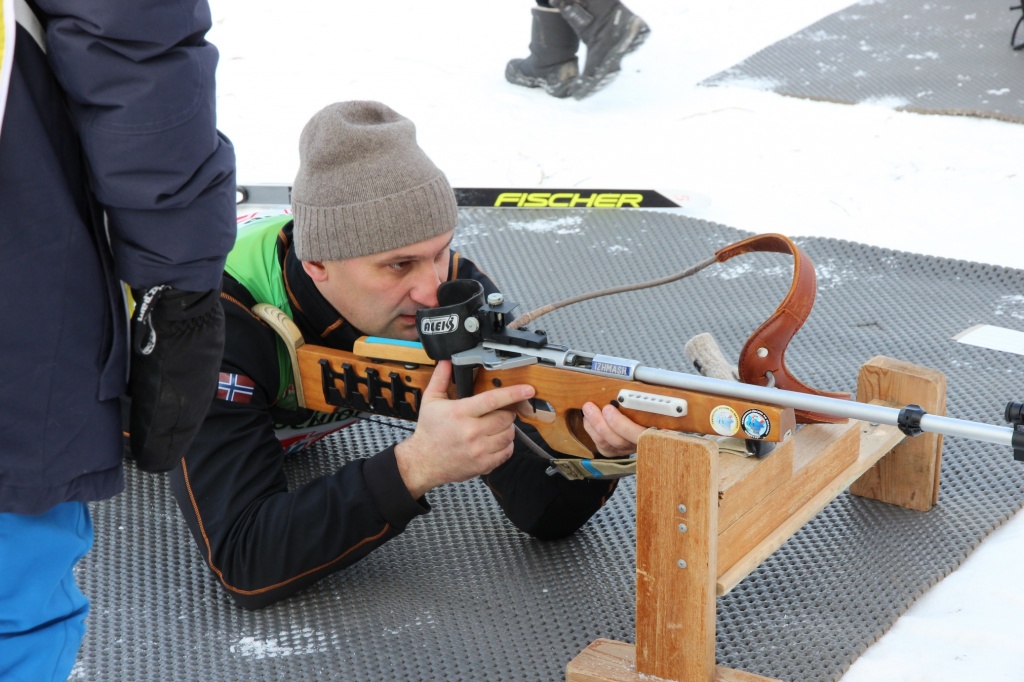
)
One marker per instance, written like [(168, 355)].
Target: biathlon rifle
[(387, 377)]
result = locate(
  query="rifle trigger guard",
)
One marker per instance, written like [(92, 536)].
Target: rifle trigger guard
[(763, 355)]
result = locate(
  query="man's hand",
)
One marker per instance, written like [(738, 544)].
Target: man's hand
[(177, 344), (456, 440), (614, 434)]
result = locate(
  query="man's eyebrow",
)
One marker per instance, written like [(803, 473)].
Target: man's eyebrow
[(399, 256)]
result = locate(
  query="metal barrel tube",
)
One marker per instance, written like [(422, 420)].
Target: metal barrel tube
[(879, 414)]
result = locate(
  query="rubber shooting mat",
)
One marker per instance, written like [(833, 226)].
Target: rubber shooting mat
[(947, 57), (462, 595)]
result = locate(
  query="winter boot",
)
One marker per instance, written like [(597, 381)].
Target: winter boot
[(610, 32), (552, 62)]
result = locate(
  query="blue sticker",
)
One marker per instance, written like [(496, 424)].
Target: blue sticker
[(756, 424)]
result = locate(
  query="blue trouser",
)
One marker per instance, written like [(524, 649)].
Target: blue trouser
[(42, 611)]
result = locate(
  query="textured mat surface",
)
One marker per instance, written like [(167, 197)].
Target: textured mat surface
[(945, 57), (464, 596)]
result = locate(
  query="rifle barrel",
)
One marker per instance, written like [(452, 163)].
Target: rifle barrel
[(878, 414)]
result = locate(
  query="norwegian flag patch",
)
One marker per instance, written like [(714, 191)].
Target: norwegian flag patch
[(235, 388)]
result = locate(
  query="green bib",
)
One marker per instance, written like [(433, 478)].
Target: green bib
[(254, 262)]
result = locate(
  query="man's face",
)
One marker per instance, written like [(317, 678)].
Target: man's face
[(379, 294)]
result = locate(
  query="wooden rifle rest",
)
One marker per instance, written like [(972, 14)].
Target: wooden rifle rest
[(705, 521)]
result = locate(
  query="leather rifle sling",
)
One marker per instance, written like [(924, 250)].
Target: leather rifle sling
[(765, 350)]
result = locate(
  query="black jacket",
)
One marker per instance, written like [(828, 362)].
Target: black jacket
[(264, 542)]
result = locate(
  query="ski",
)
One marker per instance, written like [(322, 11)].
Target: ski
[(501, 197), (512, 197)]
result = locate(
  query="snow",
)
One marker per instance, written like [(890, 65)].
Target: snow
[(938, 185)]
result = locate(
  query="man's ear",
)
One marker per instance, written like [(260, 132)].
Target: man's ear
[(315, 269)]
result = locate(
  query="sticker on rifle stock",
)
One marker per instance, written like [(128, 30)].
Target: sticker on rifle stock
[(756, 424), (724, 420)]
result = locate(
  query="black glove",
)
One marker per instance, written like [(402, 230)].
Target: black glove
[(177, 343)]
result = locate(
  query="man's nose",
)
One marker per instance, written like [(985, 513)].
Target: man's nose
[(424, 290)]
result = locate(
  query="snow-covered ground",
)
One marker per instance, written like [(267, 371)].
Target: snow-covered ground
[(937, 185)]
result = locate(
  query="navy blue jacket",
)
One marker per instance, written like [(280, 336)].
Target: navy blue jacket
[(111, 168)]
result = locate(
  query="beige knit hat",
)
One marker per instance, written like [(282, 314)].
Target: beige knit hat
[(364, 186)]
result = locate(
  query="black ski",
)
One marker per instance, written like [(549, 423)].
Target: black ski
[(504, 197)]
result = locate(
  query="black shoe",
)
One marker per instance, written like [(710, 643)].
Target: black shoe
[(610, 31), (552, 63), (556, 80)]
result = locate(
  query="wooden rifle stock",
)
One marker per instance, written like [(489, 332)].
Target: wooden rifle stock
[(394, 385)]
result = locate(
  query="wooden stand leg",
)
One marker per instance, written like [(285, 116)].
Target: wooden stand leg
[(676, 571), (909, 475), (676, 556)]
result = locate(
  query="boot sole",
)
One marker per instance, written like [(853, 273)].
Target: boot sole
[(517, 77), (610, 67)]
